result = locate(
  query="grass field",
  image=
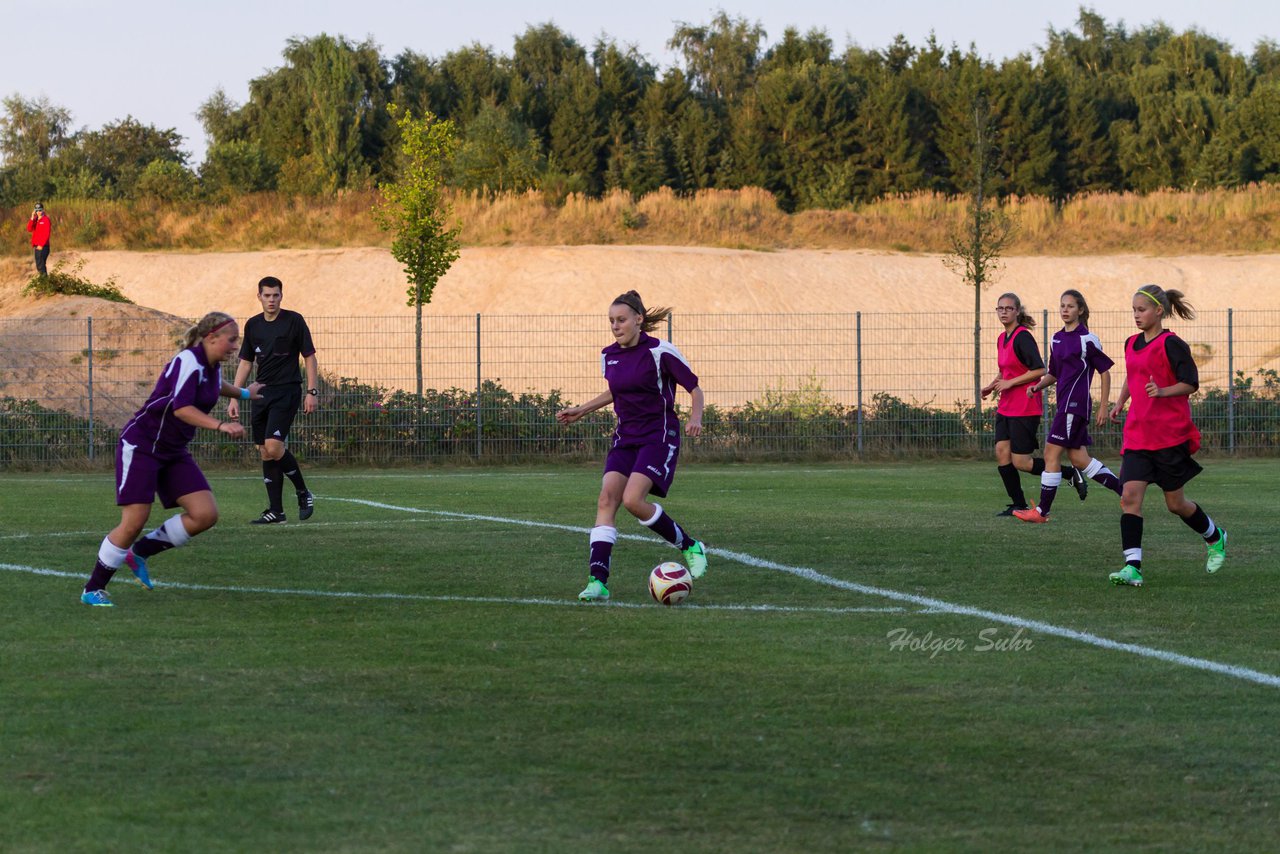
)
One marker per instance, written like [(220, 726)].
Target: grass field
[(409, 670)]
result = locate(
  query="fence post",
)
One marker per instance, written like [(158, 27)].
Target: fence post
[(90, 328), (669, 316), (1231, 384), (479, 416), (1044, 334), (858, 355)]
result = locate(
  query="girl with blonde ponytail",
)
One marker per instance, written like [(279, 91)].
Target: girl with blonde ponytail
[(152, 457), (1160, 438)]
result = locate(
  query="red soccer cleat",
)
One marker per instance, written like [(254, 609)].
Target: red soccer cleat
[(1031, 514)]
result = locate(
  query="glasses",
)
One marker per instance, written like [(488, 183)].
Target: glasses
[(1006, 308)]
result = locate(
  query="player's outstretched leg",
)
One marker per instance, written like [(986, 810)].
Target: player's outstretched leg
[(695, 553)]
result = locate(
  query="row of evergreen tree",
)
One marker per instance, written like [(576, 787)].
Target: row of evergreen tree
[(1098, 108)]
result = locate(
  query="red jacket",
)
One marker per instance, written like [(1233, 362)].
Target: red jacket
[(39, 229)]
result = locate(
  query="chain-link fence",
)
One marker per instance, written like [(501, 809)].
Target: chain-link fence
[(819, 385)]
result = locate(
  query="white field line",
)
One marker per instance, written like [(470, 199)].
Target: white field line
[(499, 600), (929, 604), (287, 526), (935, 605)]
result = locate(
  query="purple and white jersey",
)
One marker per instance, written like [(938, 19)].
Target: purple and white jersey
[(643, 382), (1073, 358), (188, 380)]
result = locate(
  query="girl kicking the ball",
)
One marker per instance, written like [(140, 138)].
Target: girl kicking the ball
[(1159, 435), (1076, 353), (642, 373), (152, 457)]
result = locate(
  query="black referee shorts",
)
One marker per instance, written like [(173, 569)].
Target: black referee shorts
[(273, 415)]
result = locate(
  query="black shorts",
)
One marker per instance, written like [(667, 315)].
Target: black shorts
[(1019, 431), (273, 415), (1168, 468)]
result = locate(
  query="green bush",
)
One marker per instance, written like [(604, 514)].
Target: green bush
[(61, 281)]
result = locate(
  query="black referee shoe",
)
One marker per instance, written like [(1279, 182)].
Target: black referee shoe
[(1008, 511), (268, 517), (306, 504)]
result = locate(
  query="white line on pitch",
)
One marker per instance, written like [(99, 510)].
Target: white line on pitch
[(500, 600), (939, 605)]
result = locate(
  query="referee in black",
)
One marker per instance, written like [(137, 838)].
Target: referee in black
[(275, 339)]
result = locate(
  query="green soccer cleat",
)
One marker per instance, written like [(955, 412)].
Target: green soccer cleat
[(96, 598), (695, 557), (1127, 575), (595, 591), (1217, 553)]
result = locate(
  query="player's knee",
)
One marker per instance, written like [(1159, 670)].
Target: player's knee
[(637, 506), (203, 519)]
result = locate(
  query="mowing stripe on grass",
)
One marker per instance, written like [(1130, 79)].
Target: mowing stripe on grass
[(937, 605), (498, 600)]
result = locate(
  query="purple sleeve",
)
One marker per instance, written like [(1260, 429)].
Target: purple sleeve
[(186, 381), (1098, 360), (679, 371)]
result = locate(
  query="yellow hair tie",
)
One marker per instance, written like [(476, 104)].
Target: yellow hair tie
[(1155, 299)]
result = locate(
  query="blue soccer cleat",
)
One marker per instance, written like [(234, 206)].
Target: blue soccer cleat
[(97, 598), (138, 567)]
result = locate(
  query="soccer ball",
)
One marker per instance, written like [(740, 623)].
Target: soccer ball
[(670, 583)]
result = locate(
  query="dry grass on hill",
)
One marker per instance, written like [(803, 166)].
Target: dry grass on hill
[(1168, 222)]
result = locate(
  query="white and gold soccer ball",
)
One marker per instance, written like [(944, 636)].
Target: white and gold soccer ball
[(670, 583)]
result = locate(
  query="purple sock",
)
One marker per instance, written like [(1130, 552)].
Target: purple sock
[(100, 578), (170, 535), (1108, 479), (602, 540), (1047, 494), (664, 526)]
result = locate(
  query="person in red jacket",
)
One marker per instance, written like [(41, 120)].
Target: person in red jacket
[(1159, 435), (40, 225)]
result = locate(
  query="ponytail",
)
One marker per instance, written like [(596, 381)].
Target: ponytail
[(1170, 302), (211, 322), (1024, 319), (652, 316)]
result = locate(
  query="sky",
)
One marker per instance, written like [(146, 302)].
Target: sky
[(158, 61)]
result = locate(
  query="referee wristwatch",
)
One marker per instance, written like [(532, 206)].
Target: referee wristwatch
[(314, 391)]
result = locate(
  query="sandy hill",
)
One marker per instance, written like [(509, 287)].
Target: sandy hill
[(541, 282), (583, 279)]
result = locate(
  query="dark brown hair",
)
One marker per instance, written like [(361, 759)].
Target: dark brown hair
[(270, 282), (652, 316), (1170, 302), (1084, 306)]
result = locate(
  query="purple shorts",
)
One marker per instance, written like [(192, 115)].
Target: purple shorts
[(656, 462), (1070, 430), (141, 476)]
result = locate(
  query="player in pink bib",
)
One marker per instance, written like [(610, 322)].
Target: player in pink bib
[(1159, 435), (1018, 413)]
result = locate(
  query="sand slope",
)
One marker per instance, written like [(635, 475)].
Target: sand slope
[(906, 299), (583, 279)]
